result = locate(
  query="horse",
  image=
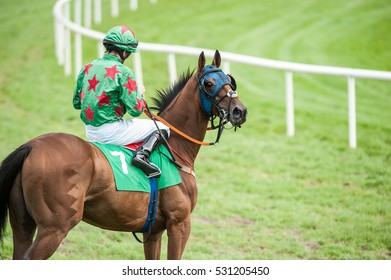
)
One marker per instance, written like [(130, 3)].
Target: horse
[(54, 181)]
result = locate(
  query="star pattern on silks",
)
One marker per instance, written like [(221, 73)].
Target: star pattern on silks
[(87, 68), (93, 82), (140, 105), (130, 85), (125, 28), (89, 113), (103, 99), (118, 111), (110, 72)]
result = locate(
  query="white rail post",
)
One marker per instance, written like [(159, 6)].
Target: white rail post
[(101, 49), (290, 118), (172, 67), (138, 68), (59, 41), (78, 38), (133, 5), (67, 43), (226, 67), (114, 8), (78, 10), (87, 13), (97, 11), (352, 112)]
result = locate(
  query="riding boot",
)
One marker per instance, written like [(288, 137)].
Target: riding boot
[(141, 157)]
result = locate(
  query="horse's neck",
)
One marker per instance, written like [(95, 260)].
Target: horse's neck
[(185, 114)]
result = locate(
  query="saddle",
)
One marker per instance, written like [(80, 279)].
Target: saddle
[(131, 178)]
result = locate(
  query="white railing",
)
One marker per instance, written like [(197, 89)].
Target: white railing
[(64, 26)]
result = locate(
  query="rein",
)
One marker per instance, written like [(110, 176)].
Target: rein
[(180, 166), (173, 128)]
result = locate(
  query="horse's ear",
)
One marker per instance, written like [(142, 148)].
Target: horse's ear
[(201, 62), (216, 59)]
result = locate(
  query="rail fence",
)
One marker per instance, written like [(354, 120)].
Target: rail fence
[(91, 10)]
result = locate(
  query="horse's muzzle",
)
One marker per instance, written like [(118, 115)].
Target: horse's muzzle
[(238, 115)]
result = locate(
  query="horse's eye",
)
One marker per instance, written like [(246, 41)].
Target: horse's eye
[(208, 84)]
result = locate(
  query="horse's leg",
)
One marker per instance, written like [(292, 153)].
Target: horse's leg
[(49, 235), (53, 226), (23, 226), (23, 233), (52, 229), (178, 234), (152, 248), (45, 244)]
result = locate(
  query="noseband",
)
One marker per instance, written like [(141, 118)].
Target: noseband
[(208, 99)]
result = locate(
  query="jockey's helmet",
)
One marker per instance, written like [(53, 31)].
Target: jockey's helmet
[(122, 37)]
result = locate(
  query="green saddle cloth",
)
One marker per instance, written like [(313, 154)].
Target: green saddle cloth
[(130, 178)]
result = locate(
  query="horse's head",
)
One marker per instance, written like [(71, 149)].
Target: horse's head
[(218, 92)]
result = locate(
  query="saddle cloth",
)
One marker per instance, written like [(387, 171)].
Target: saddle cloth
[(130, 178)]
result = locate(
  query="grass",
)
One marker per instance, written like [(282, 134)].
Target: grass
[(262, 195)]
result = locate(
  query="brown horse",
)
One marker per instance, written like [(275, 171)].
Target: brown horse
[(51, 183)]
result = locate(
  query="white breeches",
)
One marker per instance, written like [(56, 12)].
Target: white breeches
[(123, 132)]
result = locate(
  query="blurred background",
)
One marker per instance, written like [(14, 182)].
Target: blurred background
[(262, 195)]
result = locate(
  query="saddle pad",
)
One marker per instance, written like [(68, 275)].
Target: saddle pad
[(130, 178)]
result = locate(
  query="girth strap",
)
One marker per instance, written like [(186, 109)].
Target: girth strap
[(151, 210)]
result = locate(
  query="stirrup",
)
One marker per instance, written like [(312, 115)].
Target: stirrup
[(155, 174), (150, 169)]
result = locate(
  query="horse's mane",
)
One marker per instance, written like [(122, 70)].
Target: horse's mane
[(166, 96)]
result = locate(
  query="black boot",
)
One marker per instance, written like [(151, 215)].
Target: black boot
[(140, 159)]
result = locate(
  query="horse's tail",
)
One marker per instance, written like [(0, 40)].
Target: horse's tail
[(9, 169)]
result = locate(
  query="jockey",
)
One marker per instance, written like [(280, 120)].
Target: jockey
[(106, 89)]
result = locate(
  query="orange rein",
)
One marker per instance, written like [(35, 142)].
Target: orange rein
[(191, 139)]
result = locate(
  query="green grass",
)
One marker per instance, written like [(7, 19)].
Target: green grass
[(262, 195)]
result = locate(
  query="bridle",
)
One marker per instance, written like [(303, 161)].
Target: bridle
[(208, 99)]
